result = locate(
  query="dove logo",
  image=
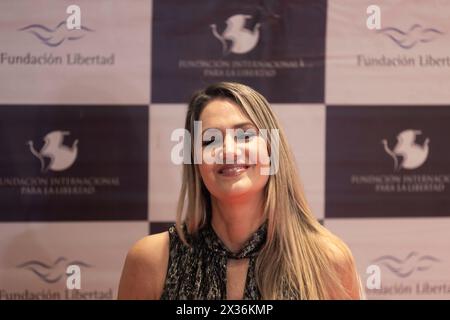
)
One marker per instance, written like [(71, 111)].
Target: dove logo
[(61, 157), (56, 36), (242, 39), (413, 155), (409, 39), (404, 268), (51, 273)]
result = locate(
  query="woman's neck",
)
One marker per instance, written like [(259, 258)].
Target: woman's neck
[(235, 221)]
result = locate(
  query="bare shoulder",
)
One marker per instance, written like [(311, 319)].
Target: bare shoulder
[(344, 263), (145, 268)]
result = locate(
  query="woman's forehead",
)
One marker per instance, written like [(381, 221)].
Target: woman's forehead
[(222, 112)]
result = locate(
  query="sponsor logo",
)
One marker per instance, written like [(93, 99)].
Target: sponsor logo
[(54, 37), (51, 276), (407, 40), (412, 154), (407, 155), (411, 277), (74, 164), (51, 273), (242, 39), (382, 162), (61, 157), (228, 42), (412, 37), (403, 268)]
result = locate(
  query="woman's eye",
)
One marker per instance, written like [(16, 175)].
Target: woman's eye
[(245, 137), (207, 142)]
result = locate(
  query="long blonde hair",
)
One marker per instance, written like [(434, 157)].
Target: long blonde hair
[(298, 260)]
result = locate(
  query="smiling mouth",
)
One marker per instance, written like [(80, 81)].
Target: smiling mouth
[(232, 170)]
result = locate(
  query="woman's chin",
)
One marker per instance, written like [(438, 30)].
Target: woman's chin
[(235, 192)]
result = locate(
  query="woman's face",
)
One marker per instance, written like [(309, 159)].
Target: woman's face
[(243, 177)]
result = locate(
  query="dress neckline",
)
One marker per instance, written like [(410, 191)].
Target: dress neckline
[(250, 248)]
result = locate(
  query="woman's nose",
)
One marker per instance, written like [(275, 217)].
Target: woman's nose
[(231, 149)]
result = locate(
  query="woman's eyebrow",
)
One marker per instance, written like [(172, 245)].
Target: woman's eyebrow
[(236, 126)]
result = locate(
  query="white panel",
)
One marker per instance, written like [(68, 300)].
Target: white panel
[(120, 33), (164, 175), (34, 257), (411, 78), (413, 254), (304, 125)]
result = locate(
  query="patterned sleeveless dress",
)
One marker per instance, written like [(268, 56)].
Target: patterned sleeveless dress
[(199, 271)]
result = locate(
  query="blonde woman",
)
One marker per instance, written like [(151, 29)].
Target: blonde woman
[(240, 233)]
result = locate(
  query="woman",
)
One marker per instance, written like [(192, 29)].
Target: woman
[(240, 233)]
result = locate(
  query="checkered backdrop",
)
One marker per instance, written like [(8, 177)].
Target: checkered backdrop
[(86, 117)]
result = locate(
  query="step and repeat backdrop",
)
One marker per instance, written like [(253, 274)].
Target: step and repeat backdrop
[(86, 118)]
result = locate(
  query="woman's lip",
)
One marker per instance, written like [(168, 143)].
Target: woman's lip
[(233, 170)]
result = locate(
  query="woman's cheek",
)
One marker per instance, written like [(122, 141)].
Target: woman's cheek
[(208, 155), (262, 152)]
